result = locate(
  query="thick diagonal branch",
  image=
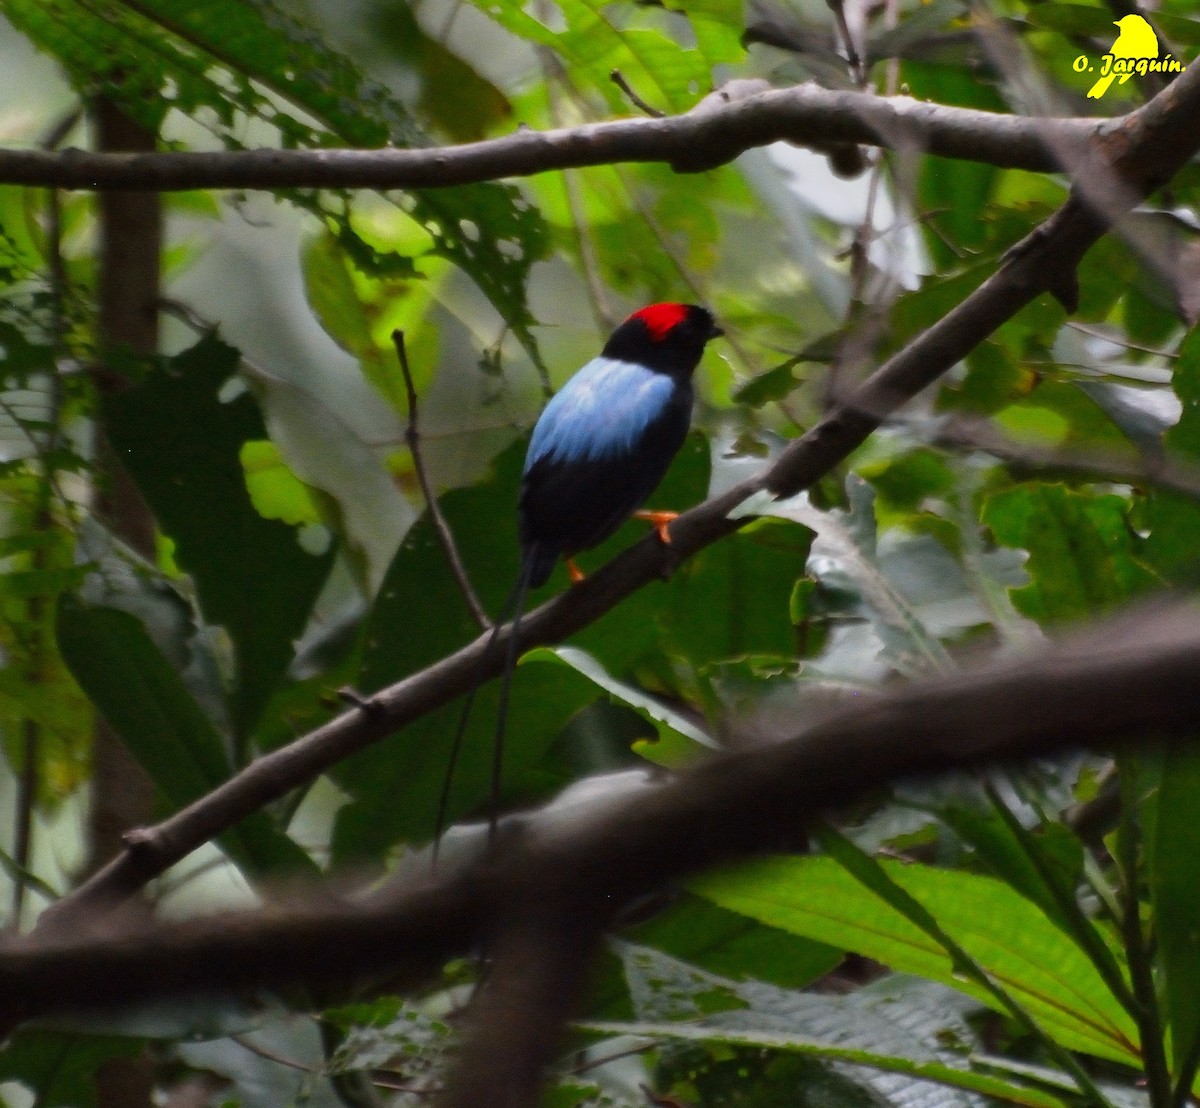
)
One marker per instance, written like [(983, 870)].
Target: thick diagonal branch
[(1110, 686)]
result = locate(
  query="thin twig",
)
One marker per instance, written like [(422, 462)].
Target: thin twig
[(618, 79), (444, 534), (858, 69), (269, 1055), (583, 1066), (1117, 340)]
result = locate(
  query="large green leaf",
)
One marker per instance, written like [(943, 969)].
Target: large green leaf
[(1046, 868), (852, 570), (732, 599), (361, 311), (147, 704), (953, 192), (183, 445), (1081, 549), (1006, 934), (454, 96)]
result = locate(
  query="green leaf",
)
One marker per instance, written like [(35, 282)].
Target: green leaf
[(904, 481), (718, 26), (1046, 868), (774, 384), (936, 1072), (733, 599), (853, 570), (1074, 20), (894, 1024), (671, 725), (146, 703), (1026, 861), (669, 76), (59, 1067), (1006, 934), (957, 191), (36, 688), (919, 310), (723, 942), (454, 96), (275, 491), (377, 1033), (1081, 549), (1173, 866), (1173, 519), (183, 445), (360, 310)]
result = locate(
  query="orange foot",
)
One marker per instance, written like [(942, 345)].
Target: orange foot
[(575, 572), (660, 521)]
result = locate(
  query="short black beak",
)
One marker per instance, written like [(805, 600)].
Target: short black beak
[(715, 333)]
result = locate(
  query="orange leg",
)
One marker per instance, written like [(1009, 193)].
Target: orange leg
[(576, 573), (660, 521)]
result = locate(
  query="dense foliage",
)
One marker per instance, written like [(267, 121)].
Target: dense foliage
[(1028, 936)]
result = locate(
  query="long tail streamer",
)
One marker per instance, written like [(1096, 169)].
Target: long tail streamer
[(513, 609)]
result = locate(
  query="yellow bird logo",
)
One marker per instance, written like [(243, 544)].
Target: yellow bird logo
[(1137, 41)]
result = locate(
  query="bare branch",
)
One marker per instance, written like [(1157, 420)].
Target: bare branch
[(444, 534), (1155, 142), (708, 136)]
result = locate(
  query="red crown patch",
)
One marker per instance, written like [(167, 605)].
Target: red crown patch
[(660, 319)]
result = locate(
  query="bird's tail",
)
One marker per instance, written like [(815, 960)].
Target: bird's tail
[(1101, 86), (512, 609), (540, 561)]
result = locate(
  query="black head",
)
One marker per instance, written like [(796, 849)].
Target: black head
[(667, 337)]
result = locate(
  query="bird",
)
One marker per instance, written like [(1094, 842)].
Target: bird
[(599, 449), (1136, 40), (604, 442)]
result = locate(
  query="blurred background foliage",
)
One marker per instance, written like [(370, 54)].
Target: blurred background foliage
[(1028, 936)]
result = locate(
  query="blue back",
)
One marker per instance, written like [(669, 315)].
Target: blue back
[(600, 413)]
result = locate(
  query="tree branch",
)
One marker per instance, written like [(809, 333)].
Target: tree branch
[(1104, 688), (1126, 468), (538, 965), (441, 527), (1155, 142), (723, 126)]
